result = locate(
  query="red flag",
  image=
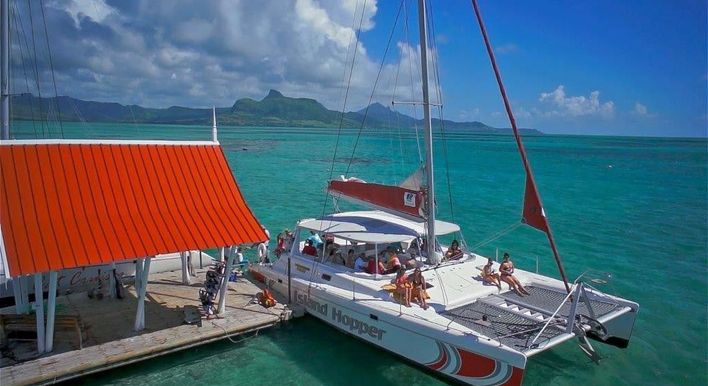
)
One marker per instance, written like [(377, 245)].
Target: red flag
[(533, 214)]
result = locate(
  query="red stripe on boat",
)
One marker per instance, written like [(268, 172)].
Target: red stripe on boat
[(474, 365), (441, 362), (517, 376)]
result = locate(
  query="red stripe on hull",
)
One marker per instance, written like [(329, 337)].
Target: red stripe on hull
[(474, 365)]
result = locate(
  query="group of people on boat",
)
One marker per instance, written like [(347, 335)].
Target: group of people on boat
[(505, 274)]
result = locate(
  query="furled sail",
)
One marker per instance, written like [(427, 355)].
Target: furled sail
[(398, 200)]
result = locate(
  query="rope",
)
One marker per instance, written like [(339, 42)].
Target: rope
[(255, 334)]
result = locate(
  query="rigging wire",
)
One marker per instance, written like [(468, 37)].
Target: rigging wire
[(341, 119), (36, 68), (344, 104), (373, 91), (51, 66), (21, 37), (410, 74), (439, 95)]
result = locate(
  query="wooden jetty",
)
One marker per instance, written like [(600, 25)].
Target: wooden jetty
[(104, 336)]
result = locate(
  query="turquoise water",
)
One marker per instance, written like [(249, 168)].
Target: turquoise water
[(633, 207)]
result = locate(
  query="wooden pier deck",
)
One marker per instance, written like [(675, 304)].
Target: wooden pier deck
[(108, 339)]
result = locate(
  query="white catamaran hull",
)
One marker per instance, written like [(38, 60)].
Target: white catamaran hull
[(452, 353)]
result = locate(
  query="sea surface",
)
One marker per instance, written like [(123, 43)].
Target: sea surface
[(630, 210)]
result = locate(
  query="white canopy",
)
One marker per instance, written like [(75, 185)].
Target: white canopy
[(374, 227)]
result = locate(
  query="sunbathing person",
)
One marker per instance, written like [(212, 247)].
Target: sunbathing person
[(489, 276), (454, 252), (403, 287), (507, 275), (418, 291)]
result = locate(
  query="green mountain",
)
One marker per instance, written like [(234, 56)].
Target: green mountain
[(273, 110)]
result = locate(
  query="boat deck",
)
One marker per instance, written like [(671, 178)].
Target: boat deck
[(515, 320), (107, 339)]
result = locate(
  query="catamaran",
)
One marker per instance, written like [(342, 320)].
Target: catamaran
[(472, 332)]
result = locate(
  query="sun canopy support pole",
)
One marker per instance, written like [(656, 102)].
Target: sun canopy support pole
[(39, 311), (225, 280), (51, 310), (141, 277)]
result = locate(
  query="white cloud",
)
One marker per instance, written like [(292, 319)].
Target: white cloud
[(212, 54), (562, 105), (640, 109), (97, 10), (508, 48)]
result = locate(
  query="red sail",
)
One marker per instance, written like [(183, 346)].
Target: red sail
[(392, 199), (533, 213)]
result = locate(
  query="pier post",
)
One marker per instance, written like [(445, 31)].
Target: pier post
[(225, 281), (17, 292), (144, 264), (112, 281), (51, 311), (39, 311), (185, 269), (24, 283), (221, 253)]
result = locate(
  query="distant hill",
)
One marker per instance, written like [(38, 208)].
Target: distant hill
[(273, 110)]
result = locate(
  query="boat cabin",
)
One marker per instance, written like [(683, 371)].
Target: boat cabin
[(370, 235)]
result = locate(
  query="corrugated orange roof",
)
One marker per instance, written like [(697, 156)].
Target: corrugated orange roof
[(67, 205)]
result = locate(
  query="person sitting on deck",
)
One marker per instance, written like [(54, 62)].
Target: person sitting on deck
[(507, 275), (373, 268), (309, 249), (403, 287), (360, 263), (418, 291), (393, 264), (489, 276), (454, 252)]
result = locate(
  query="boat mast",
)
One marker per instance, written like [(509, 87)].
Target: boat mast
[(430, 194), (4, 71)]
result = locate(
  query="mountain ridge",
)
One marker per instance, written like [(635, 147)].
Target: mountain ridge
[(275, 109)]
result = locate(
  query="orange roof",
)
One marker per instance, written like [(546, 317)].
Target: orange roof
[(66, 205)]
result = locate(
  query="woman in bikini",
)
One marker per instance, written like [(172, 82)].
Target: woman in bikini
[(507, 275), (418, 282), (403, 286), (489, 276)]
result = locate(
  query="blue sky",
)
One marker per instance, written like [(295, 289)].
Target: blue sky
[(575, 67), (648, 59)]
